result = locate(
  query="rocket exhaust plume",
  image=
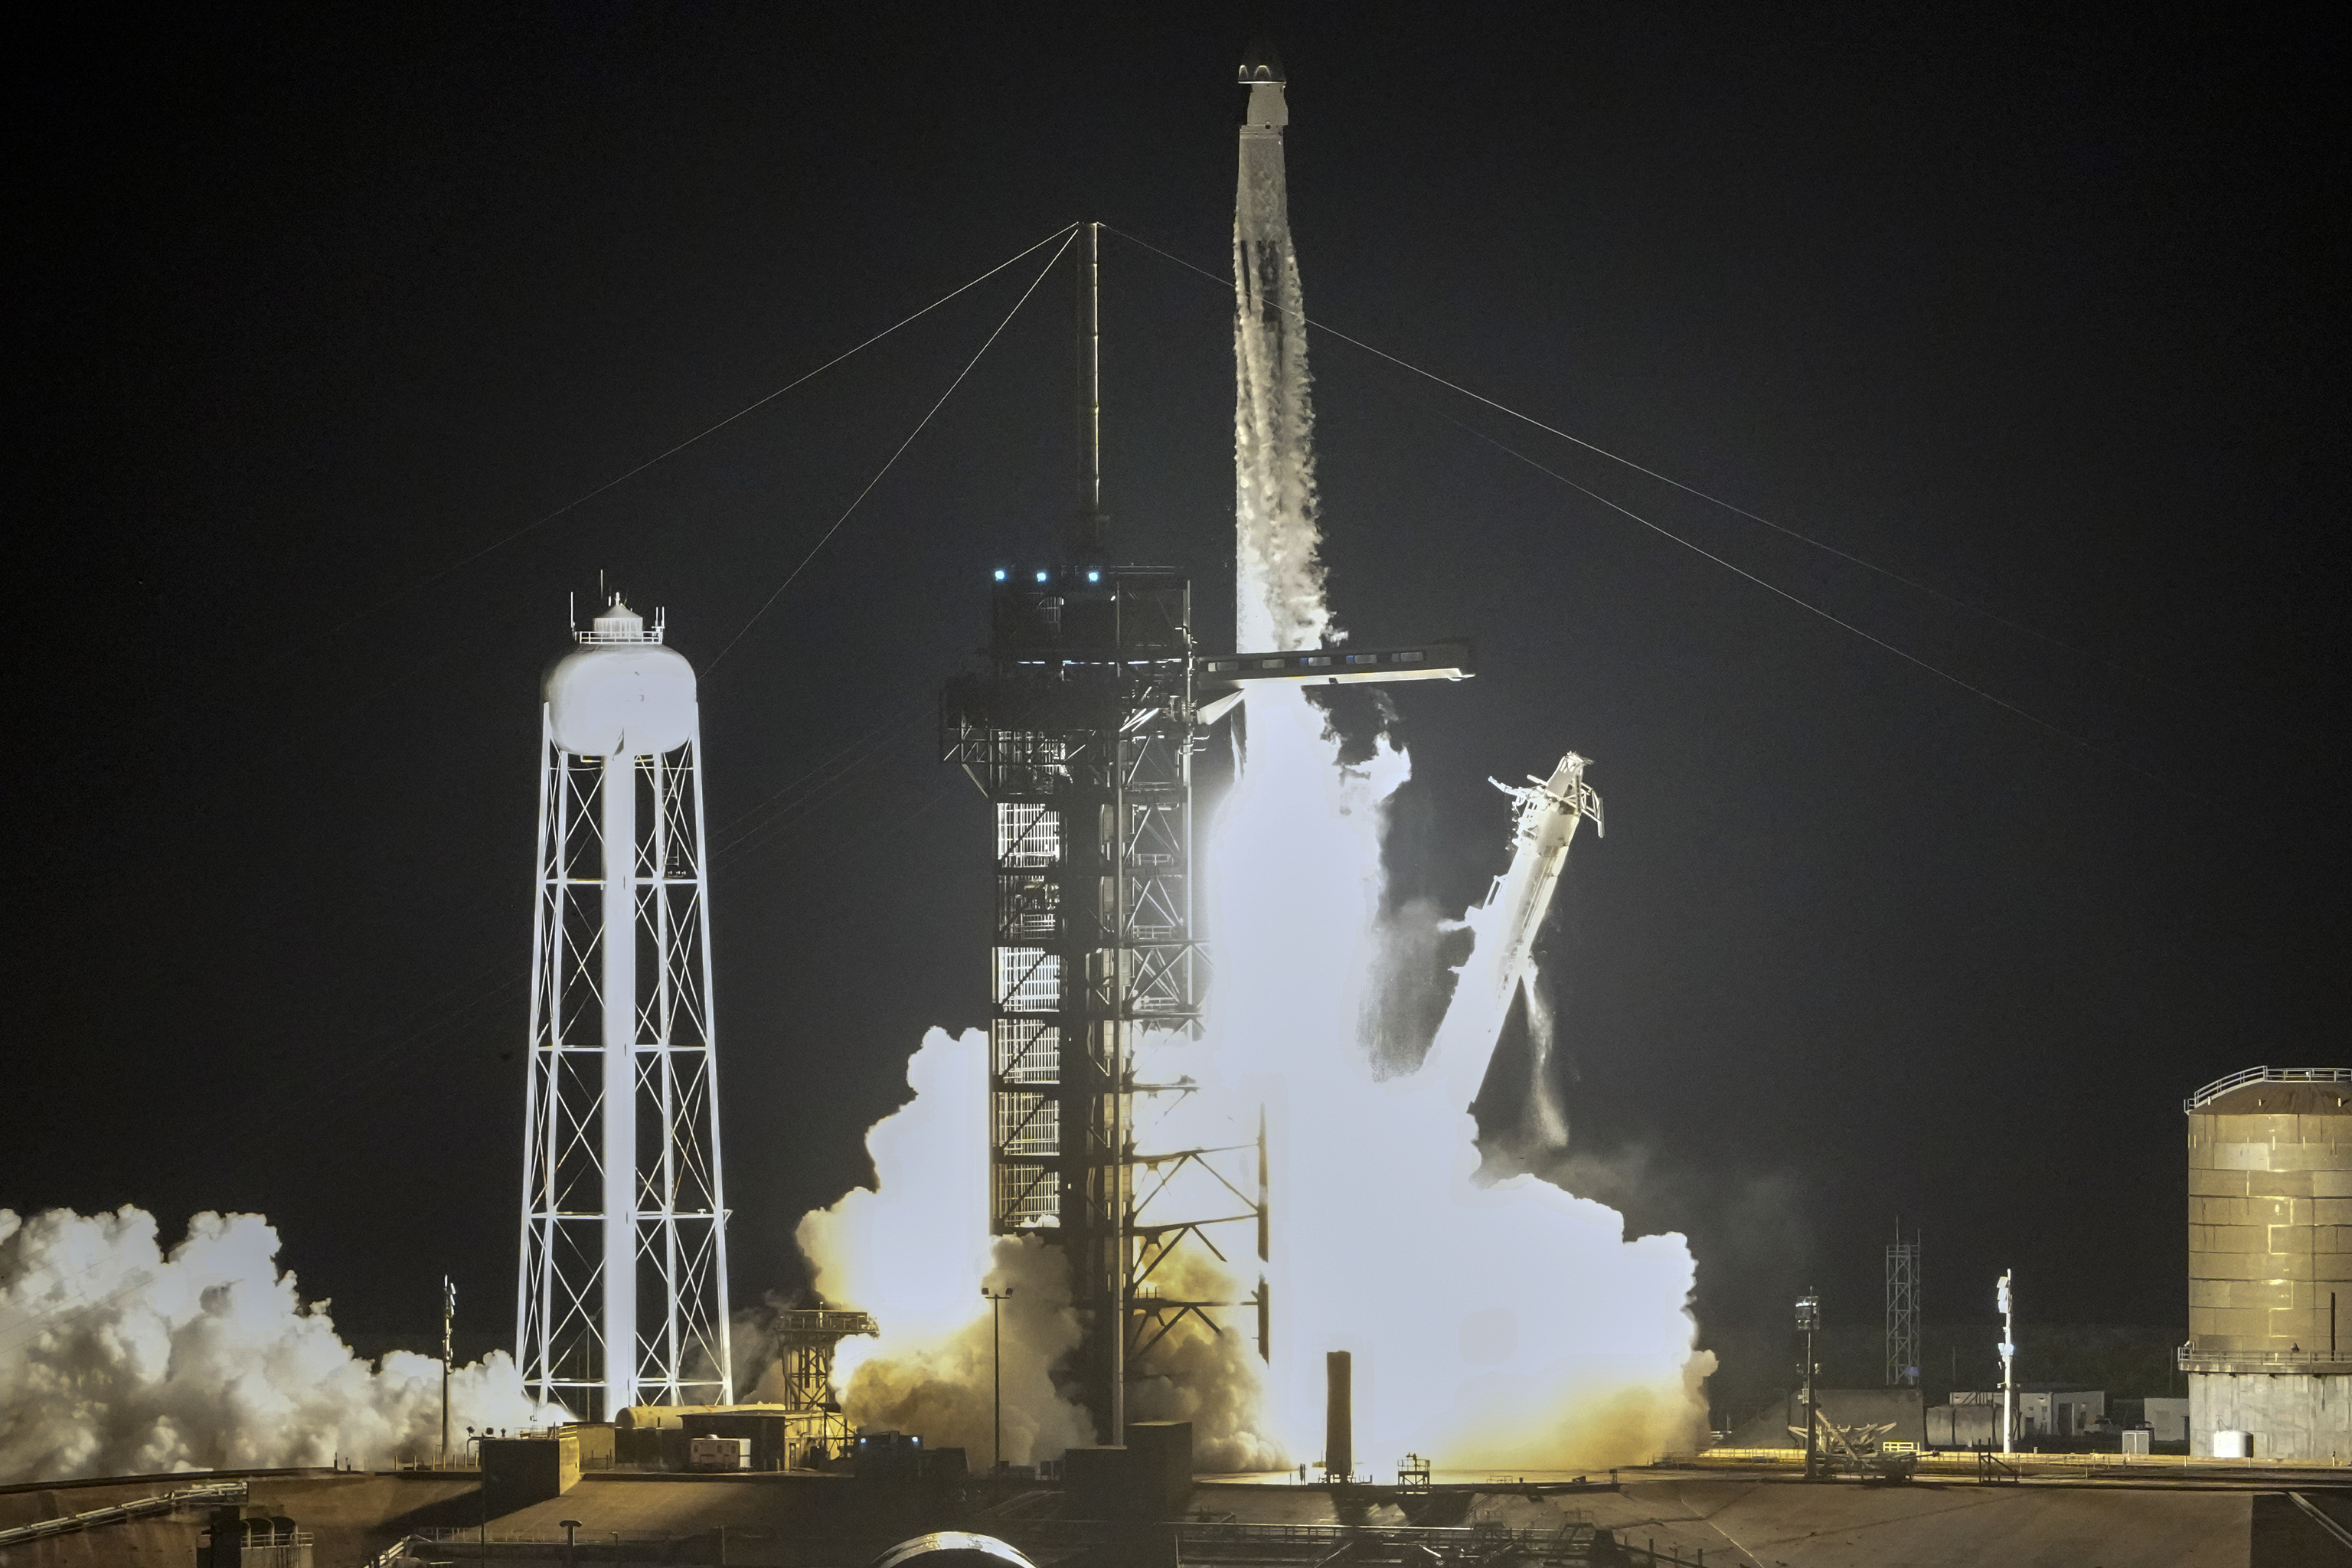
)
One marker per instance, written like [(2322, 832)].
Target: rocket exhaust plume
[(120, 1358), (1508, 1323)]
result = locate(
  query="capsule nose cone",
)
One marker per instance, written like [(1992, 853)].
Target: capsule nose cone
[(1260, 63)]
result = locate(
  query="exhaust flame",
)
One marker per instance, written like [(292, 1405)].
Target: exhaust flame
[(914, 1250), (1492, 1325), (119, 1359)]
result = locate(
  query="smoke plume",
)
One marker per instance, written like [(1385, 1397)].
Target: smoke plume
[(1280, 579), (1575, 1345), (118, 1358)]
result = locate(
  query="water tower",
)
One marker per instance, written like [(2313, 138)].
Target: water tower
[(622, 1298)]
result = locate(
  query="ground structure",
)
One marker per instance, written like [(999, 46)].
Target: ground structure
[(1756, 1513)]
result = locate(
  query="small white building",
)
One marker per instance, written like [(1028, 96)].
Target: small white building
[(719, 1453), (2045, 1411)]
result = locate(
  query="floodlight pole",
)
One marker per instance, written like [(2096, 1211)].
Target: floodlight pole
[(996, 1332), (1809, 1320), (449, 1315), (2008, 1361)]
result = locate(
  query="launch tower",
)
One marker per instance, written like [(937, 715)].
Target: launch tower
[(1079, 724), (1078, 727), (621, 1294)]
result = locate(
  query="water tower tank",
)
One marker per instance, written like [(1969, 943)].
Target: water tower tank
[(620, 693), (2269, 1219)]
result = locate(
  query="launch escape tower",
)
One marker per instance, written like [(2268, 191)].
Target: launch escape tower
[(1079, 723), (622, 1293)]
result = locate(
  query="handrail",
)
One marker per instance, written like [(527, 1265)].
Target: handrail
[(217, 1491), (2222, 1086), (2190, 1360)]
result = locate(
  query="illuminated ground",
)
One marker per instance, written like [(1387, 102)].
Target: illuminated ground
[(1761, 1516)]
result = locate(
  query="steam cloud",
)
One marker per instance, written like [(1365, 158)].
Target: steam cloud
[(117, 1358), (914, 1250)]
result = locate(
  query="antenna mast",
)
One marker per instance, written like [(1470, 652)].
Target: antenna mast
[(1086, 536)]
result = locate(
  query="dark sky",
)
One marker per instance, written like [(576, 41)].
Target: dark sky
[(2043, 314)]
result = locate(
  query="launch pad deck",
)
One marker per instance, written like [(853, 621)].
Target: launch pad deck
[(2219, 1516)]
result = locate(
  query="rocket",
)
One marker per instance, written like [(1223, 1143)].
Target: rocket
[(1542, 825), (1278, 586), (1262, 74)]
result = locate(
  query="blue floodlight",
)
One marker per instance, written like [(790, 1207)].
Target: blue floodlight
[(1094, 576), (1000, 574), (1041, 577)]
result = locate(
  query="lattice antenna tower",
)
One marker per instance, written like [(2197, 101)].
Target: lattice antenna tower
[(621, 1294), (1903, 1296)]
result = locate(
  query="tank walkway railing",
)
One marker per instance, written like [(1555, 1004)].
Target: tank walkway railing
[(2272, 1361), (187, 1497), (2222, 1086)]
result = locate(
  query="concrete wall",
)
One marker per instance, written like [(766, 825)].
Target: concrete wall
[(2292, 1416)]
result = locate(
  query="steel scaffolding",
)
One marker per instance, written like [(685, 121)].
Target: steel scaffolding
[(1902, 1309), (1080, 728)]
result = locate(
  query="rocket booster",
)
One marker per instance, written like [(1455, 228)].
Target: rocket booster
[(1506, 925), (1545, 822)]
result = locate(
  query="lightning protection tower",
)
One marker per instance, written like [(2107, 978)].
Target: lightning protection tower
[(1903, 1283), (622, 1298)]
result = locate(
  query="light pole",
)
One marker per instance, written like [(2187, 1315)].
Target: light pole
[(1809, 1322), (996, 1300), (449, 1315), (2008, 1361), (568, 1526)]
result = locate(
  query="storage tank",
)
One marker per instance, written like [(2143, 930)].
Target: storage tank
[(620, 692), (2270, 1262)]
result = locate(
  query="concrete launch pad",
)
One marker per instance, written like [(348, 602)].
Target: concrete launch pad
[(2210, 1517)]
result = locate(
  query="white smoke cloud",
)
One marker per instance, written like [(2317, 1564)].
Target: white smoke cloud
[(1576, 1347), (914, 1250), (118, 1358), (1502, 1325)]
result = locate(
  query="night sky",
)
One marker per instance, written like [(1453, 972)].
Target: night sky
[(324, 316)]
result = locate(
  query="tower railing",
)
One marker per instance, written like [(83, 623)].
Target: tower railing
[(2222, 1086)]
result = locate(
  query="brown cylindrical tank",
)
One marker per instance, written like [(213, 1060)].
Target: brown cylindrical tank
[(2270, 1214)]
